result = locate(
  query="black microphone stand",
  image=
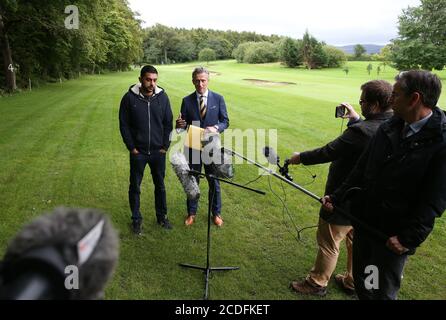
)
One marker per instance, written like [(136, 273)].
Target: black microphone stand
[(371, 230), (208, 269)]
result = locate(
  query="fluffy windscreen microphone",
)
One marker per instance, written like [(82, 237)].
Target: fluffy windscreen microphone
[(271, 155), (188, 181), (82, 241)]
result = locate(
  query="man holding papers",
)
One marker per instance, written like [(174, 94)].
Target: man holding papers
[(204, 109)]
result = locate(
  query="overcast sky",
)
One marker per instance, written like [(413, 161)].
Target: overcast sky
[(337, 22)]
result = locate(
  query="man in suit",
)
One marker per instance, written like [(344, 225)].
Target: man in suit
[(206, 109)]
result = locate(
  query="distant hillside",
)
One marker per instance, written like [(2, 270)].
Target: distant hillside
[(370, 48)]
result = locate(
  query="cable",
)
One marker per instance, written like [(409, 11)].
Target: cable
[(313, 176), (311, 227), (252, 181), (284, 208)]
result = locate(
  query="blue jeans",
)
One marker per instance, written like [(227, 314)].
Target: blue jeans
[(157, 163)]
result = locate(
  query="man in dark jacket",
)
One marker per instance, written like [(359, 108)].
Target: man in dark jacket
[(343, 152), (402, 174), (145, 119)]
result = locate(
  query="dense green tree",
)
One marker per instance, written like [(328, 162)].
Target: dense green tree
[(290, 52), (164, 38), (8, 64), (335, 57), (240, 51), (385, 55), (422, 38), (260, 52), (185, 50), (207, 54), (43, 46), (256, 52), (222, 47), (359, 51), (313, 53)]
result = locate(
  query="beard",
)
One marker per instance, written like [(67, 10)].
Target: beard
[(147, 89)]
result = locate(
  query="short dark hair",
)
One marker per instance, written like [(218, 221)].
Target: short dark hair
[(199, 70), (424, 82), (148, 69), (378, 92)]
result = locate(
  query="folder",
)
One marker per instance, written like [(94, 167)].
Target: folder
[(194, 138)]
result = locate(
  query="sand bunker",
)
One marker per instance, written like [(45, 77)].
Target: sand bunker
[(266, 83)]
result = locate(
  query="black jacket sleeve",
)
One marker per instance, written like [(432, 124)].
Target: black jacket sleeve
[(355, 178), (167, 125), (431, 204), (335, 149), (124, 123)]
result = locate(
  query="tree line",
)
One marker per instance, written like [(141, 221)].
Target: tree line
[(164, 44), (42, 40)]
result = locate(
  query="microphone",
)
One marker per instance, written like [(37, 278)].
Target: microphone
[(182, 170), (273, 158), (68, 254), (215, 156), (271, 155)]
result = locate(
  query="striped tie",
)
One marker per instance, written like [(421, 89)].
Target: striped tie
[(202, 108)]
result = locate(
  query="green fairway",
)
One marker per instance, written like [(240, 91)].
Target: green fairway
[(60, 146)]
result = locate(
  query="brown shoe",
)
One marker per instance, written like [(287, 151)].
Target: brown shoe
[(305, 287), (339, 280), (190, 220), (218, 221)]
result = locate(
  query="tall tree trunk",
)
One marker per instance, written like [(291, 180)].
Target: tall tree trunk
[(7, 58), (165, 55)]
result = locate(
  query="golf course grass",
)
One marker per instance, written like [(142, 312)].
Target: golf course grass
[(60, 146)]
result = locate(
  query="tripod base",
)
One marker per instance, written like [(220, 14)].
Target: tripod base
[(207, 271)]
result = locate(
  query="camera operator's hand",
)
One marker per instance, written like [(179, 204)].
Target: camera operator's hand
[(327, 204), (295, 158), (395, 245), (351, 113)]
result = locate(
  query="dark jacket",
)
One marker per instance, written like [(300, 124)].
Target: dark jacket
[(145, 122), (403, 180), (343, 153), (216, 113)]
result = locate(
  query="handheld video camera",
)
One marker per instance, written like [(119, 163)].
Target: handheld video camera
[(340, 111)]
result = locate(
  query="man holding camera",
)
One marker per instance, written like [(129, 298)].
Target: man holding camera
[(343, 152), (402, 177)]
